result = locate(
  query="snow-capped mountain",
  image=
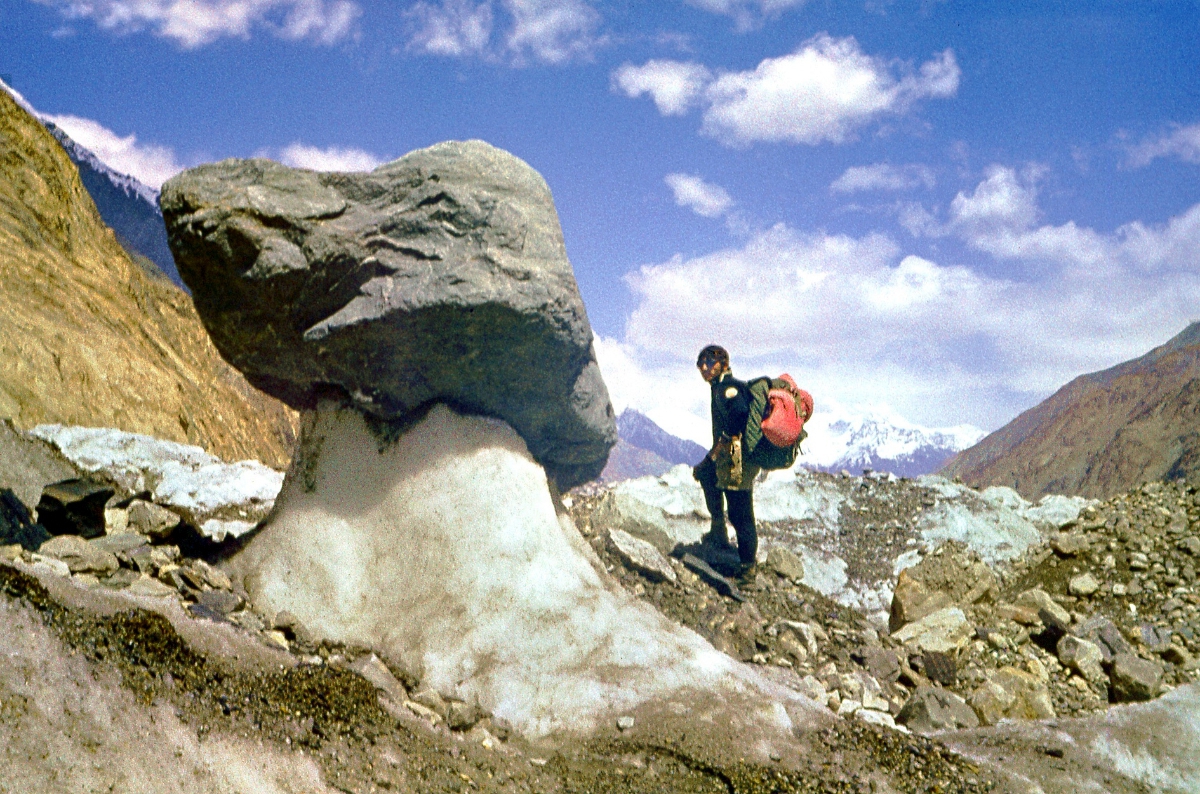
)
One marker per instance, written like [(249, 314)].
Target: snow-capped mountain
[(879, 438), (127, 206)]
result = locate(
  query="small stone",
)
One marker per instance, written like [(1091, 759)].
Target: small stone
[(931, 709), (1134, 678), (875, 717), (1037, 599), (848, 706), (431, 699), (1069, 544), (1083, 585), (941, 667), (276, 639), (785, 563), (625, 722), (150, 587), (11, 553), (461, 716), (220, 601), (1026, 616), (1190, 545), (641, 556), (1083, 657), (150, 519), (121, 543), (50, 565), (943, 631), (79, 555), (1119, 589), (813, 689)]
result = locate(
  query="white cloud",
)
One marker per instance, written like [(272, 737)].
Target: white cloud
[(858, 320), (549, 31), (702, 198), (825, 91), (747, 14), (195, 23), (675, 86), (552, 31), (883, 176), (299, 155), (822, 92), (1181, 142), (454, 28), (149, 163)]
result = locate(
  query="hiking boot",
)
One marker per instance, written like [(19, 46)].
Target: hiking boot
[(716, 539), (747, 575)]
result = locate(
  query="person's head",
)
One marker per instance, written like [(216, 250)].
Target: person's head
[(712, 361)]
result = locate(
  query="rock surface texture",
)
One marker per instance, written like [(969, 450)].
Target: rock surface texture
[(440, 277)]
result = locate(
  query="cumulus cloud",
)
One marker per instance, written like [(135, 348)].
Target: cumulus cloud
[(702, 198), (195, 23), (149, 163), (747, 14), (1181, 142), (552, 31), (675, 86), (454, 28), (299, 155), (861, 320), (825, 91), (548, 31), (882, 176)]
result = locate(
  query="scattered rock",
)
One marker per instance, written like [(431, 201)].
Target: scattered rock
[(944, 631), (220, 601), (461, 716), (1037, 599), (1083, 585), (1134, 678), (931, 709), (119, 544), (625, 722), (642, 556), (79, 555), (51, 565), (1013, 693), (785, 563), (149, 586), (941, 667), (1083, 657), (150, 519), (74, 507), (1069, 544)]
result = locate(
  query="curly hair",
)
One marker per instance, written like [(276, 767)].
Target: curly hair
[(713, 353)]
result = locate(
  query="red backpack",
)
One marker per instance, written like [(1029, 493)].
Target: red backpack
[(787, 410)]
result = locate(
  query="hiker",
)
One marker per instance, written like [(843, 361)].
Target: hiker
[(724, 476)]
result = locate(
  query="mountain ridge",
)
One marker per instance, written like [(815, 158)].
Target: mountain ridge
[(1103, 432)]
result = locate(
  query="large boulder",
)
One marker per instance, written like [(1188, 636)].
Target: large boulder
[(439, 278)]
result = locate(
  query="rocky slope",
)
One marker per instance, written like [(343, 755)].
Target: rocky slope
[(1102, 433), (134, 661), (88, 338)]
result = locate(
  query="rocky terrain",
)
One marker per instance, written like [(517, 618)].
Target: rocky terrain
[(88, 338), (1103, 433), (1101, 612)]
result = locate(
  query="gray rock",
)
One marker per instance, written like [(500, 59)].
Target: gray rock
[(1134, 678), (1083, 657), (74, 507), (123, 543), (1191, 545), (931, 709), (641, 556), (79, 555), (944, 631), (1039, 599), (1155, 639), (1083, 585), (785, 563), (150, 519), (461, 716), (440, 277), (220, 601), (1107, 637)]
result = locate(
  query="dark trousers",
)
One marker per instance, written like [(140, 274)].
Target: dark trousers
[(741, 510)]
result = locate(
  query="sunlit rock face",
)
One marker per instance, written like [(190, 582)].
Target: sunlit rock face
[(440, 277), (442, 549)]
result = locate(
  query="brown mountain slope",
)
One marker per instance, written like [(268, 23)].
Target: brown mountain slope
[(1102, 433), (87, 338)]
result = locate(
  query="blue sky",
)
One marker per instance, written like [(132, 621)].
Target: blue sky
[(946, 209)]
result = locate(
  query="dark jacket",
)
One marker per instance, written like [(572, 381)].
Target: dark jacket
[(730, 406)]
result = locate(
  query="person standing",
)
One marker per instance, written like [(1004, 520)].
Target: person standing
[(725, 478)]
